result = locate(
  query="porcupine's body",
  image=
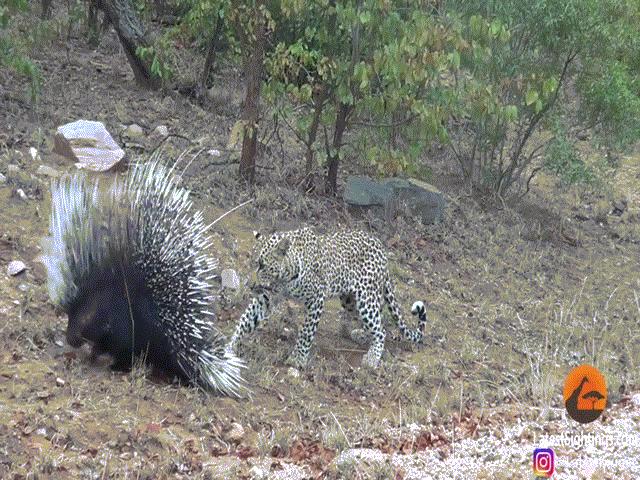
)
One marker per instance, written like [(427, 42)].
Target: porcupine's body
[(129, 267)]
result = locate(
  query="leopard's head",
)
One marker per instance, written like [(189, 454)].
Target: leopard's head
[(275, 265)]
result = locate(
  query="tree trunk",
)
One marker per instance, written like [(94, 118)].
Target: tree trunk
[(210, 58), (253, 73), (320, 96), (122, 15), (92, 23), (159, 8), (331, 184), (45, 13)]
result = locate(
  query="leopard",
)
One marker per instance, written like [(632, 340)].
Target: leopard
[(313, 267)]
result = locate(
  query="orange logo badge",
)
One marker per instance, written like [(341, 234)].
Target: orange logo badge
[(585, 393)]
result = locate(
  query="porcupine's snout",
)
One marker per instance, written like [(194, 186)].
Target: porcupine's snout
[(74, 339), (79, 320), (87, 320)]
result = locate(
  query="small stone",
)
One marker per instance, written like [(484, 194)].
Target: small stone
[(34, 153), (635, 399), (235, 433), (293, 372), (214, 152), (22, 195), (169, 103), (134, 130), (583, 135), (619, 206), (257, 473), (13, 168), (161, 131), (15, 267), (47, 171), (60, 382), (230, 279), (3, 179)]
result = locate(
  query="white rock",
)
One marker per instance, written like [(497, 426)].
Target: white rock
[(3, 179), (13, 168), (257, 473), (89, 144), (230, 279), (22, 195), (293, 372), (134, 130), (161, 131), (34, 153), (15, 267), (47, 171), (635, 399), (214, 152), (235, 433)]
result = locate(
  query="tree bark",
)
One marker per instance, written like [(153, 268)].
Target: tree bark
[(92, 23), (331, 185), (210, 58), (320, 97), (342, 115), (122, 15), (250, 109), (45, 12)]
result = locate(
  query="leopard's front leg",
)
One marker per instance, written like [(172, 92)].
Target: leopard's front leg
[(254, 314), (314, 306)]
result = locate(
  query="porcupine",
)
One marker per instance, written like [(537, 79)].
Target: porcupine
[(130, 267)]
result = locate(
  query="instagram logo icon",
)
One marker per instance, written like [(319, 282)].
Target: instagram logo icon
[(543, 462)]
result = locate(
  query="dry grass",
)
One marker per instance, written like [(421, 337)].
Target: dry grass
[(513, 305)]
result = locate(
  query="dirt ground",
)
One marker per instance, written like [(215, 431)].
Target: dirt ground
[(517, 296)]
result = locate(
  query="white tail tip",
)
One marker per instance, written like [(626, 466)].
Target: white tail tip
[(417, 307)]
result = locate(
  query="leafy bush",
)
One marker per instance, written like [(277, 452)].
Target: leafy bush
[(564, 160), (373, 69), (12, 49), (519, 62)]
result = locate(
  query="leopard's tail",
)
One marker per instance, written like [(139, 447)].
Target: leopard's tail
[(418, 309)]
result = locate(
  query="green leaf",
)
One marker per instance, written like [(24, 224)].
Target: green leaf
[(495, 28), (549, 86), (538, 105), (511, 113), (454, 58), (365, 17), (531, 97)]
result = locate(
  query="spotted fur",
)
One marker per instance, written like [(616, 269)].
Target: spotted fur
[(310, 267)]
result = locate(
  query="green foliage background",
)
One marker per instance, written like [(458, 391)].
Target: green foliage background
[(490, 80)]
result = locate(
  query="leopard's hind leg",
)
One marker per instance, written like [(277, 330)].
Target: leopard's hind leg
[(358, 335), (368, 305)]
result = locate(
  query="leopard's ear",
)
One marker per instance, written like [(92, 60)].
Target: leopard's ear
[(283, 246), (256, 234)]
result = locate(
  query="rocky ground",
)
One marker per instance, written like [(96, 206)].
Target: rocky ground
[(517, 295)]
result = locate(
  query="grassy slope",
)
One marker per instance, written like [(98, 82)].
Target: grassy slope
[(515, 299)]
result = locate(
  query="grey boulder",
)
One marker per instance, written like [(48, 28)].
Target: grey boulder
[(418, 198)]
